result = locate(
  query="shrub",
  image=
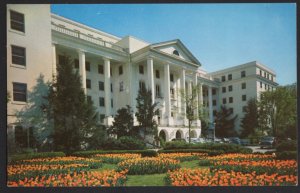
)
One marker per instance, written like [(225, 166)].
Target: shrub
[(149, 153), (287, 146), (131, 143), (286, 155), (18, 157), (148, 165), (182, 156), (116, 158), (95, 152), (176, 145)]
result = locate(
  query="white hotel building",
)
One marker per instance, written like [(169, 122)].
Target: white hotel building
[(114, 68)]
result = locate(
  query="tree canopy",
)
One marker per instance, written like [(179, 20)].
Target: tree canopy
[(225, 123), (249, 122)]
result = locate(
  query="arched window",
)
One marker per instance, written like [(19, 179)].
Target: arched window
[(176, 52)]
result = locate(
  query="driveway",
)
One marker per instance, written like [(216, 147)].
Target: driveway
[(258, 149)]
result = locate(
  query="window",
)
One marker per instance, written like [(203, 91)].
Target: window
[(101, 101), (19, 92), (141, 69), (102, 117), (89, 99), (229, 76), (88, 83), (230, 99), (172, 92), (243, 85), (157, 75), (260, 73), (231, 110), (171, 77), (87, 66), (121, 86), (264, 74), (18, 55), (214, 102), (111, 72), (224, 100), (111, 87), (100, 69), (214, 91), (244, 97), (214, 113), (61, 59), (17, 21), (172, 114), (157, 91), (260, 84), (101, 85), (142, 85), (76, 63), (120, 70), (271, 77), (223, 89), (112, 103), (265, 86), (268, 76), (243, 74), (230, 88), (175, 52), (223, 78)]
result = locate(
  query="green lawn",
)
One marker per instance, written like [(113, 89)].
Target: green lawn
[(146, 180), (106, 166)]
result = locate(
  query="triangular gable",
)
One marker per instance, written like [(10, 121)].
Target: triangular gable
[(175, 47)]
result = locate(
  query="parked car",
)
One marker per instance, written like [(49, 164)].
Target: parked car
[(225, 140), (235, 140), (245, 142), (218, 140), (267, 142)]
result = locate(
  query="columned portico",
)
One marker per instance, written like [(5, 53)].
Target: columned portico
[(107, 82), (54, 65), (150, 77), (167, 92), (81, 56), (210, 104), (182, 103), (196, 112)]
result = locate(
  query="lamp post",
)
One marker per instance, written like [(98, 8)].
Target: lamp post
[(214, 124)]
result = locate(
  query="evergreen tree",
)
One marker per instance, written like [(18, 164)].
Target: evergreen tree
[(123, 123), (74, 117), (250, 120), (225, 123), (145, 113)]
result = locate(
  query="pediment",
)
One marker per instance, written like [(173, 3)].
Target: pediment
[(176, 49)]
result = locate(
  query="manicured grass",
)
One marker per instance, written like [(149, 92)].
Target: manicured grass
[(191, 164), (146, 180)]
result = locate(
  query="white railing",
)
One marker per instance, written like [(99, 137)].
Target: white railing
[(79, 35)]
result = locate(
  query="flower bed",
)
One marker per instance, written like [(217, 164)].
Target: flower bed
[(279, 167), (183, 156), (116, 158), (147, 165), (76, 179), (203, 177)]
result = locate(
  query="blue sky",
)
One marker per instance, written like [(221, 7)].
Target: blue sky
[(219, 35)]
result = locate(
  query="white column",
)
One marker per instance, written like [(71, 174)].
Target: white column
[(200, 96), (107, 87), (81, 56), (196, 101), (190, 87), (211, 119), (54, 68), (150, 76), (183, 105), (167, 91)]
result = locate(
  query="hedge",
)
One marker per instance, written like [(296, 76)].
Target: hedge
[(144, 153), (18, 157), (226, 148), (286, 155), (287, 146), (209, 152)]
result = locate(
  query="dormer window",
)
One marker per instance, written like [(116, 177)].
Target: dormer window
[(175, 52)]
